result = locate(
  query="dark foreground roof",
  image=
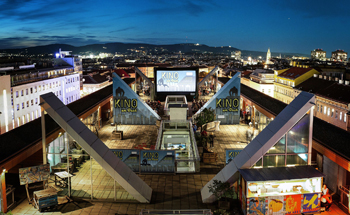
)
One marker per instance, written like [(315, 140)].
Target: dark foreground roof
[(280, 173), (272, 105), (28, 134)]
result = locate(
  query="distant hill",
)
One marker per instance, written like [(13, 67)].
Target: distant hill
[(185, 48)]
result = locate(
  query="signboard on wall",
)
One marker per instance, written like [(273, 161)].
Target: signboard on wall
[(311, 203), (129, 108), (293, 204), (131, 157), (231, 153), (34, 174), (157, 161), (257, 206), (226, 102), (275, 204)]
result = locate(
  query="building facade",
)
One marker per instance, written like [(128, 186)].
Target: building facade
[(318, 54), (287, 79), (21, 89), (340, 55)]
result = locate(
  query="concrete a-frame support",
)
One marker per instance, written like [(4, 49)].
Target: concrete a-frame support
[(267, 138), (119, 171)]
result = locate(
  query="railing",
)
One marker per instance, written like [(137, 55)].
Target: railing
[(183, 212), (344, 196)]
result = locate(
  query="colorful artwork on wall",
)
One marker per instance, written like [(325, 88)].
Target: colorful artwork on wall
[(293, 204), (257, 206), (34, 174)]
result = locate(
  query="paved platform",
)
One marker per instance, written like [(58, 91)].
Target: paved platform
[(180, 191)]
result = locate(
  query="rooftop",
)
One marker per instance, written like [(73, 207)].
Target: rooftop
[(294, 72), (280, 173), (328, 89)]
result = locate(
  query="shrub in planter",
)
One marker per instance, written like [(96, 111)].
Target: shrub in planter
[(222, 192)]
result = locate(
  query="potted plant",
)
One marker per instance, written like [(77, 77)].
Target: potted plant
[(207, 115), (223, 193)]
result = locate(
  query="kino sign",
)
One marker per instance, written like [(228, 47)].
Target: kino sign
[(228, 105)]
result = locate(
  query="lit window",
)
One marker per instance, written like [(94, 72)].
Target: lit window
[(341, 113), (329, 111), (332, 113), (344, 117), (318, 107), (325, 110)]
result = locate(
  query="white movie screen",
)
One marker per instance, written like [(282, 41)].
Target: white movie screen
[(176, 80)]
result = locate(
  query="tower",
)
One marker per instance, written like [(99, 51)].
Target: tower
[(268, 56)]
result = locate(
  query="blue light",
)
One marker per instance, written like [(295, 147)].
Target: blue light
[(57, 55)]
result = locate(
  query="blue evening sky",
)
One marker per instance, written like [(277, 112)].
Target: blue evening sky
[(283, 25)]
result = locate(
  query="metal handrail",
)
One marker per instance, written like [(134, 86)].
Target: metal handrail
[(184, 212)]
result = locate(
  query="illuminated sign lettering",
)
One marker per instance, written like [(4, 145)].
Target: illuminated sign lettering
[(127, 105), (150, 155), (228, 105), (170, 77)]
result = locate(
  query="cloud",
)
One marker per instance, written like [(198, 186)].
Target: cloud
[(122, 29), (22, 42)]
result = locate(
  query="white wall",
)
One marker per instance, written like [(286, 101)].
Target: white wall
[(5, 102), (28, 105)]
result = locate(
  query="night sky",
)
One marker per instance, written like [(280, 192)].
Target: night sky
[(283, 25)]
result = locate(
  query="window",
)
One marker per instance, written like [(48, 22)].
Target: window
[(329, 111), (50, 86), (35, 89), (31, 90), (17, 107), (32, 102), (43, 86), (332, 113), (39, 88), (26, 91), (16, 94), (344, 117), (21, 92), (336, 114), (325, 110), (22, 105), (36, 101), (341, 113), (27, 103)]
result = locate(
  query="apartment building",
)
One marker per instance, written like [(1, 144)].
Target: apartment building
[(21, 88)]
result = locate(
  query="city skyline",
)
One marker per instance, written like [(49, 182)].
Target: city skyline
[(283, 26)]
